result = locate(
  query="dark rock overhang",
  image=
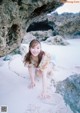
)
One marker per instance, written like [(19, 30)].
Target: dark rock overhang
[(20, 13)]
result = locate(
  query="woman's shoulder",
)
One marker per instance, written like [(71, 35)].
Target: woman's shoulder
[(46, 55)]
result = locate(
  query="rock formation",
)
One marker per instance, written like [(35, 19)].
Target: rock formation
[(16, 16), (70, 90), (66, 24)]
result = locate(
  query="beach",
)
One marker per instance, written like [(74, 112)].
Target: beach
[(14, 80)]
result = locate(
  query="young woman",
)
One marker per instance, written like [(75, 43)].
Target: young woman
[(38, 63)]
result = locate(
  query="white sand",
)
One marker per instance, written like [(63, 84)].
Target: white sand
[(14, 80)]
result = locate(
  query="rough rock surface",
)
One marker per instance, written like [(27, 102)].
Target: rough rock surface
[(70, 90), (16, 16), (66, 24)]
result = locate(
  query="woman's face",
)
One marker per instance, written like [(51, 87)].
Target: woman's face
[(35, 50)]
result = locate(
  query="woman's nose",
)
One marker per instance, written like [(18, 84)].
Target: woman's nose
[(35, 50)]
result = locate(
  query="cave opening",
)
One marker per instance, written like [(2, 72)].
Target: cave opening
[(39, 26), (1, 2)]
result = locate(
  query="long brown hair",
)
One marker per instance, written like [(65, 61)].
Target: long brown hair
[(27, 58)]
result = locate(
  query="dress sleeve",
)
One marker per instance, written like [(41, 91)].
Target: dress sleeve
[(44, 62)]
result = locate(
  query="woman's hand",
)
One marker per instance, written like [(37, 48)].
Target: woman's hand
[(32, 85), (44, 95)]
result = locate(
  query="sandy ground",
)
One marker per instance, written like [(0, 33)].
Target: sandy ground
[(14, 80)]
